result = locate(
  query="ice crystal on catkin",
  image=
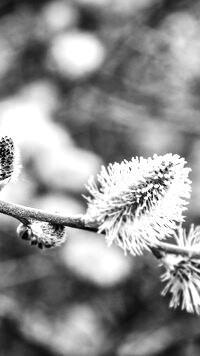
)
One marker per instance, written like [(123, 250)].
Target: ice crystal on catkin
[(183, 273), (9, 161), (42, 234), (138, 202)]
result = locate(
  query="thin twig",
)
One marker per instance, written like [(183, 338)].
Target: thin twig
[(26, 214), (80, 221), (177, 250)]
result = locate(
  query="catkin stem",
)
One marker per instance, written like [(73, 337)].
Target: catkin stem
[(80, 221)]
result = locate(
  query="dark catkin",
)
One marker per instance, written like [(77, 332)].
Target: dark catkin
[(9, 160)]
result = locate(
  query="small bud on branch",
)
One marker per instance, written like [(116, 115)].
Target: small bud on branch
[(42, 234)]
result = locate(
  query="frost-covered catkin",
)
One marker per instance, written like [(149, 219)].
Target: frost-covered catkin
[(42, 234), (182, 274), (140, 202), (9, 161)]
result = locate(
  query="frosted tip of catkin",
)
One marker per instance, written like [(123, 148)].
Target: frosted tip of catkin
[(9, 160), (42, 234)]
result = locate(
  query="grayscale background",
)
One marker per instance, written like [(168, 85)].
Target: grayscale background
[(84, 83)]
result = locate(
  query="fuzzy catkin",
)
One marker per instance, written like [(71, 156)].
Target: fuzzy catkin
[(139, 202), (182, 274)]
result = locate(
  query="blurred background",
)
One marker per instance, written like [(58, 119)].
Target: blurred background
[(85, 83)]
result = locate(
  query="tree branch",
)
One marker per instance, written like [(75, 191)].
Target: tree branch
[(80, 221), (26, 214)]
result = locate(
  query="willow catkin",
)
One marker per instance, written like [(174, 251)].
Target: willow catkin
[(139, 202)]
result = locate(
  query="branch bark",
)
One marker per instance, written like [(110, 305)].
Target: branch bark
[(26, 215)]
